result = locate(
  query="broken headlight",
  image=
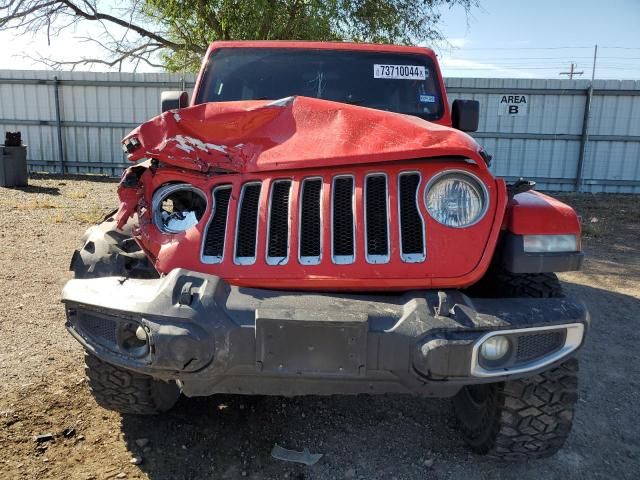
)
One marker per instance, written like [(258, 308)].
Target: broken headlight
[(456, 199), (177, 207)]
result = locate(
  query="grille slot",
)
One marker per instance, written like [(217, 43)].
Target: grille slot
[(376, 218), (310, 235), (101, 329), (411, 224), (217, 230), (247, 224), (536, 345), (343, 231), (278, 238)]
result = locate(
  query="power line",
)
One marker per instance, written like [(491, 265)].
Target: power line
[(558, 66), (566, 57), (539, 58), (501, 67), (524, 48), (490, 66), (552, 66), (542, 48), (627, 66)]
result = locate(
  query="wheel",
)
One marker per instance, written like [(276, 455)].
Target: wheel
[(501, 283), (124, 391), (521, 419), (537, 285)]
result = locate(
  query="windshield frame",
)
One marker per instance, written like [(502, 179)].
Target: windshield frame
[(205, 71)]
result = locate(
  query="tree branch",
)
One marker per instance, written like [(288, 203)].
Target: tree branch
[(117, 21)]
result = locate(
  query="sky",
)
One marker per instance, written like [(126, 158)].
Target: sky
[(527, 39), (502, 38)]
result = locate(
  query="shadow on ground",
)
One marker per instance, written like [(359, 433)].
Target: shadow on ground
[(60, 180), (54, 191), (97, 178), (224, 436), (392, 436)]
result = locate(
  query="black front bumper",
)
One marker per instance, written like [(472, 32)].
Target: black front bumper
[(215, 338)]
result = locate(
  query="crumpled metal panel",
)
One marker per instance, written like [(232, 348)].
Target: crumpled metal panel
[(233, 143), (295, 132)]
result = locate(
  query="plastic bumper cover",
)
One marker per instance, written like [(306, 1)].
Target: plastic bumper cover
[(216, 338)]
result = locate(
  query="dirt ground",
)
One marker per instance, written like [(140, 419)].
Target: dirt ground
[(42, 388)]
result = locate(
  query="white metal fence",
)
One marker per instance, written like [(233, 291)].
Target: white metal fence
[(73, 123), (554, 143)]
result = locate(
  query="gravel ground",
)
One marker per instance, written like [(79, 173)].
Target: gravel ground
[(42, 388)]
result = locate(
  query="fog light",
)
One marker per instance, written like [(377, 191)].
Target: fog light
[(133, 339), (141, 334), (494, 348)]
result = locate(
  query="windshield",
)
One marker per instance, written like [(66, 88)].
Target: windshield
[(397, 82)]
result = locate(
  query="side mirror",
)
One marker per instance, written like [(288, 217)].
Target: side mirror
[(172, 99), (465, 115)]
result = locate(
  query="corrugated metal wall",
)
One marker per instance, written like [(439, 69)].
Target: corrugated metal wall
[(97, 109), (545, 144)]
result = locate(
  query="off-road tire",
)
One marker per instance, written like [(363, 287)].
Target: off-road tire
[(534, 285), (521, 419), (499, 283), (124, 391)]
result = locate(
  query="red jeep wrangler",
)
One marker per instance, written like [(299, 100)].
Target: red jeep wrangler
[(316, 222)]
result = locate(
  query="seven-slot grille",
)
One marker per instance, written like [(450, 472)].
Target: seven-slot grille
[(213, 251), (342, 222), (278, 240), (247, 224), (376, 218), (412, 244), (343, 225), (310, 233)]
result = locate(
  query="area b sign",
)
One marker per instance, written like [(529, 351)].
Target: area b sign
[(513, 105)]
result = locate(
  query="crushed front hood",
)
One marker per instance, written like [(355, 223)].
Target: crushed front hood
[(292, 133)]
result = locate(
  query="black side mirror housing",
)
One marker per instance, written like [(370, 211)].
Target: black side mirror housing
[(173, 99), (465, 115)]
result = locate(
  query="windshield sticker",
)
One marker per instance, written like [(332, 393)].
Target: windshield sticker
[(400, 72), (422, 98)]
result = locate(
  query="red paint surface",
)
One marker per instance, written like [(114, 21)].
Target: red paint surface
[(305, 137), (535, 213), (304, 133), (455, 257)]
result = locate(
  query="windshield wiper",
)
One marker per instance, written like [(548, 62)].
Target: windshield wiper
[(353, 101)]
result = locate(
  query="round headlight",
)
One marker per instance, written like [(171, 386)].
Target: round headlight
[(177, 207), (456, 199)]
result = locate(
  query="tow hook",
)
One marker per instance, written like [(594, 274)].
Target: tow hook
[(186, 294), (444, 305)]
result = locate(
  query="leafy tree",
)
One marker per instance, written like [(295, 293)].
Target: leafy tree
[(175, 33)]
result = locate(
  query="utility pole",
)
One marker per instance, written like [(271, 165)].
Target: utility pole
[(584, 138), (595, 59), (572, 71)]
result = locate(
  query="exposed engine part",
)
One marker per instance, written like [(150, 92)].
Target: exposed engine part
[(520, 186)]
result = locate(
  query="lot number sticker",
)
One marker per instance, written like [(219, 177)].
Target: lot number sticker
[(400, 72), (513, 105)]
